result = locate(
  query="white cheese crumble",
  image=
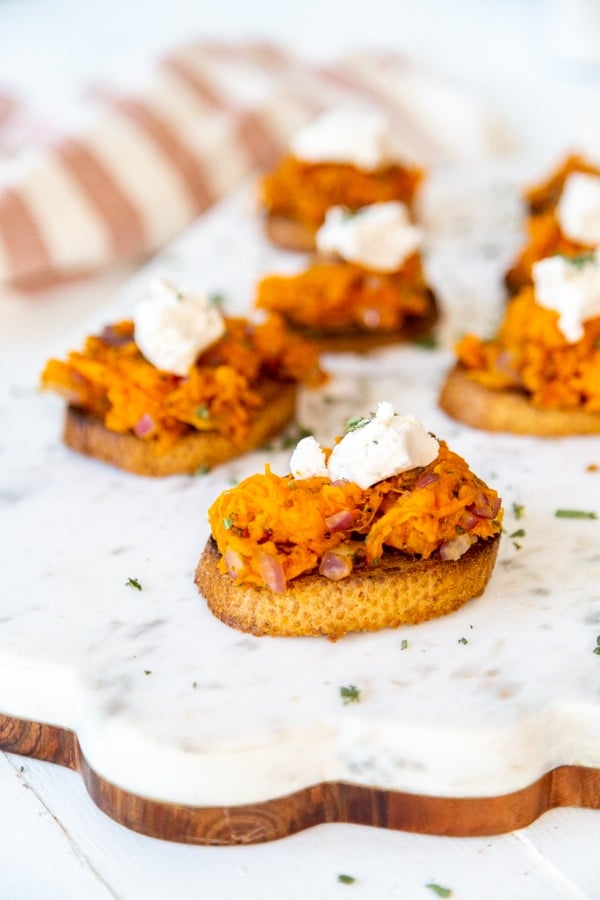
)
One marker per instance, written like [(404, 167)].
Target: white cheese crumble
[(308, 460), (346, 134), (172, 327), (578, 209), (572, 288), (378, 237), (376, 448)]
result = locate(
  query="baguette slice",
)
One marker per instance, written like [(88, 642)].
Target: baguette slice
[(400, 591), (509, 410), (197, 449)]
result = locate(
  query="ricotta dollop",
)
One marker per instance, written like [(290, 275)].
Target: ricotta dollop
[(172, 327), (572, 288), (346, 134), (373, 449), (379, 237), (578, 209)]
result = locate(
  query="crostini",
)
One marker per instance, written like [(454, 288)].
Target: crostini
[(366, 287), (390, 527), (344, 157), (180, 387), (541, 374)]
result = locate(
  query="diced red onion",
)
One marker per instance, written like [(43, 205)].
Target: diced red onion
[(469, 520), (371, 318), (485, 507), (455, 548), (339, 520), (234, 562), (426, 478), (144, 426), (272, 572), (109, 335), (336, 566)]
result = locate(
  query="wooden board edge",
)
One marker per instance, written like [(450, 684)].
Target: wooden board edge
[(328, 802)]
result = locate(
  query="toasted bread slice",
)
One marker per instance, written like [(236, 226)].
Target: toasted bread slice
[(196, 450), (357, 340), (509, 410), (401, 590)]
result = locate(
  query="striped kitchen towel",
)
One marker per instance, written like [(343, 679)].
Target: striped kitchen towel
[(207, 115)]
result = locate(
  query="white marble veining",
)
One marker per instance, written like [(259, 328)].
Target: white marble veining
[(170, 703)]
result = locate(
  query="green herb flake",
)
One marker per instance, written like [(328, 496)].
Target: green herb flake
[(194, 684), (357, 422), (350, 694), (227, 523), (518, 510), (202, 470), (133, 583), (517, 546), (216, 299), (375, 562), (291, 438), (463, 640), (438, 890), (346, 879), (579, 261), (426, 342), (147, 671), (403, 644), (574, 514), (597, 647), (202, 412), (520, 532), (21, 769)]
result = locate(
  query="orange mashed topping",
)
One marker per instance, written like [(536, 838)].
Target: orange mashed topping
[(288, 521), (342, 295), (532, 354), (304, 191), (544, 236), (112, 380)]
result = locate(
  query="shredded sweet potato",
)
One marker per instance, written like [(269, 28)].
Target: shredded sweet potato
[(544, 236), (334, 296), (304, 191), (531, 353), (287, 519), (112, 380)]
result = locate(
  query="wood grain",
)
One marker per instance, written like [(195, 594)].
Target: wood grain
[(321, 803)]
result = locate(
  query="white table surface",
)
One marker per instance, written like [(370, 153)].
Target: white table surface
[(54, 843)]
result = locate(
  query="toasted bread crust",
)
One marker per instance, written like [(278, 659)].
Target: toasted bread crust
[(399, 591), (509, 410), (288, 233), (87, 434)]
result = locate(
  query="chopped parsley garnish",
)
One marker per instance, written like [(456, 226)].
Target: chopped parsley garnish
[(133, 583), (574, 514), (147, 671), (295, 434), (202, 412), (21, 769), (216, 299), (520, 532), (349, 694), (227, 523), (518, 510), (357, 422), (438, 890), (426, 341), (597, 647), (346, 879), (579, 261), (517, 546), (403, 644), (202, 470), (463, 640), (376, 561)]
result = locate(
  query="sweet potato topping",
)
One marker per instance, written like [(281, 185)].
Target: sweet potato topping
[(112, 380), (544, 236), (531, 353), (304, 191), (287, 522), (330, 296)]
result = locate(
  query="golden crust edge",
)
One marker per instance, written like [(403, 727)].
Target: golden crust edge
[(400, 591), (469, 402), (86, 434)]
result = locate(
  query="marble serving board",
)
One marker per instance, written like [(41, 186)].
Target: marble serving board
[(170, 714)]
